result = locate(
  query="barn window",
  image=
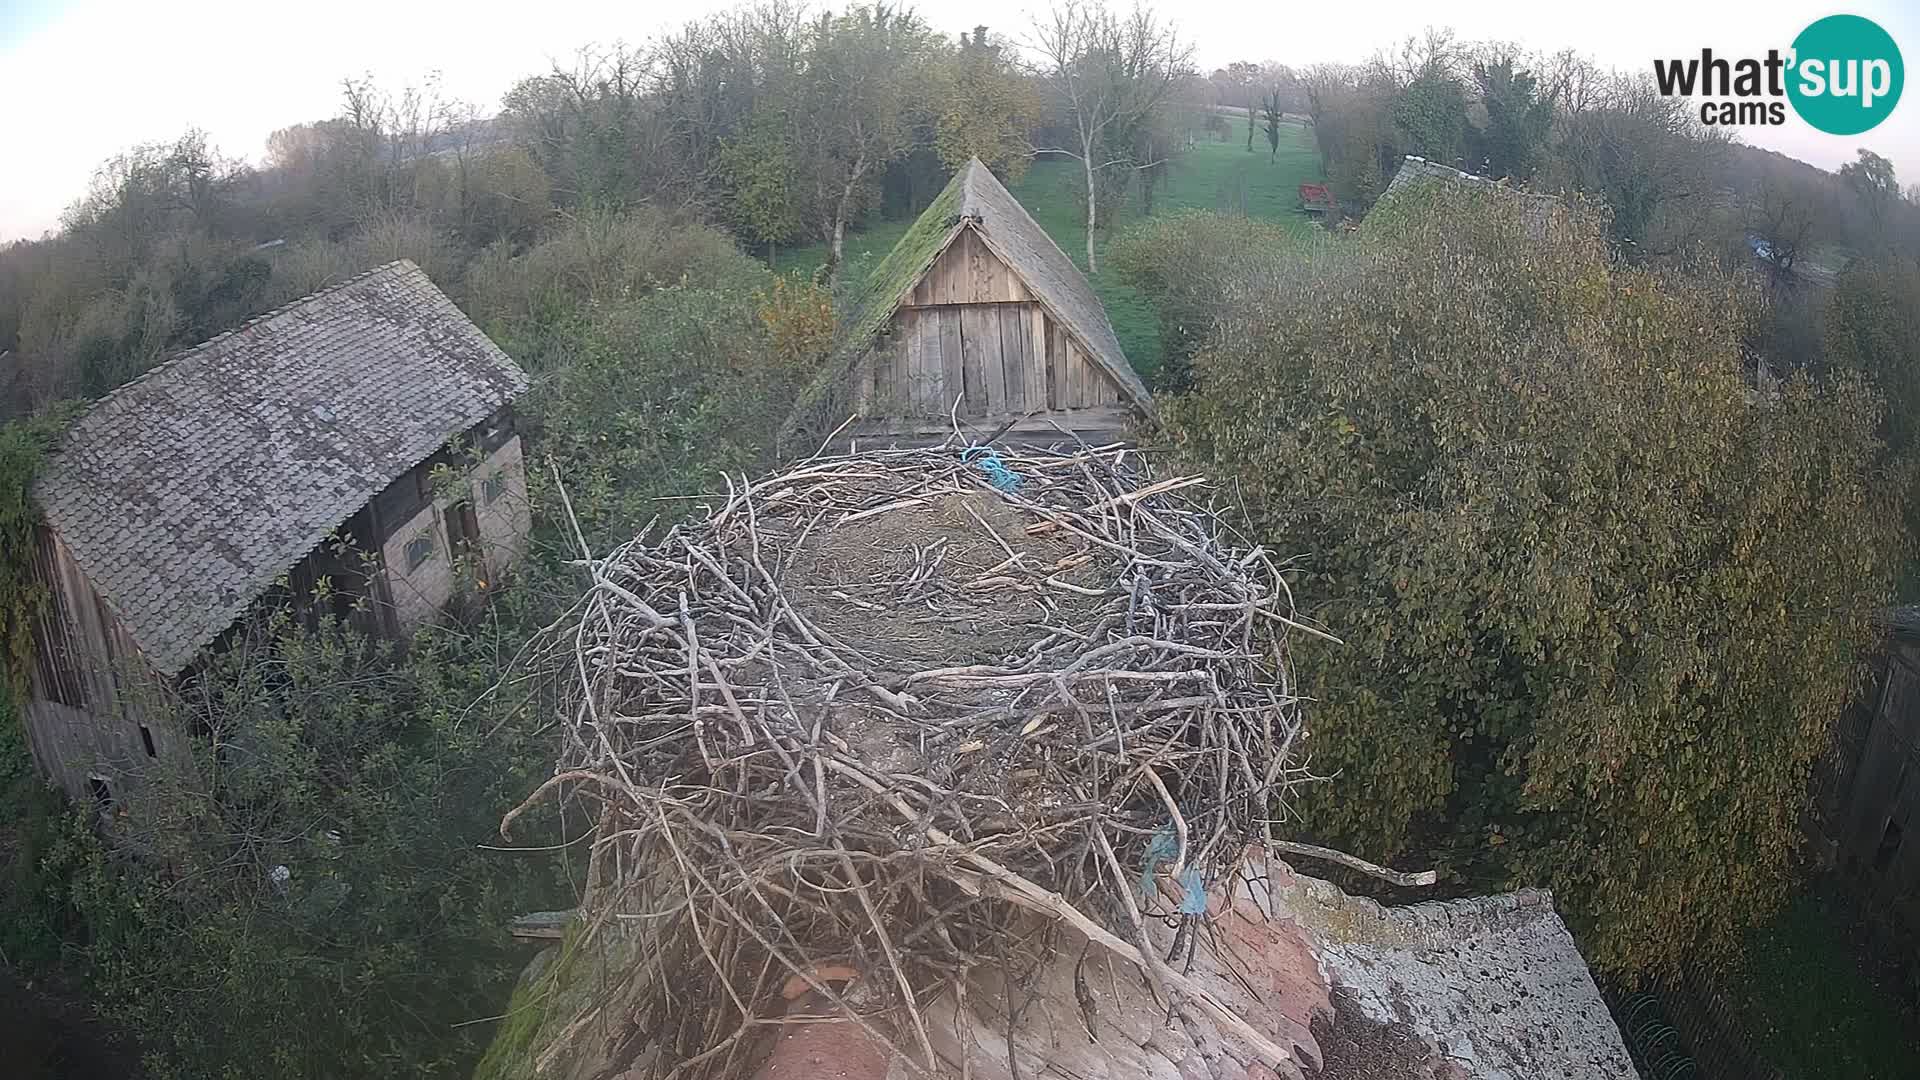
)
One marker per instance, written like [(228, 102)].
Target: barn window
[(146, 740), (419, 550), (102, 792), (493, 487)]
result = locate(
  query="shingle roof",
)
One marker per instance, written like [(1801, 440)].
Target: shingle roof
[(1493, 984), (1414, 171), (976, 197), (186, 492)]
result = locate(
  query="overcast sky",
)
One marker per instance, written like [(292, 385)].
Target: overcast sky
[(83, 79)]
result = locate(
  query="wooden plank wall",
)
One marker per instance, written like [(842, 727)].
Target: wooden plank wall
[(1002, 359), (1877, 829), (968, 273), (972, 330), (80, 719)]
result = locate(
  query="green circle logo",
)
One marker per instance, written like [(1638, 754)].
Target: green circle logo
[(1846, 74)]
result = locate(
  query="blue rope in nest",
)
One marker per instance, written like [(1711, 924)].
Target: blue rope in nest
[(1164, 846), (988, 462)]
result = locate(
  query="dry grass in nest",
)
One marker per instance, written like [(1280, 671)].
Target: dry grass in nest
[(874, 714)]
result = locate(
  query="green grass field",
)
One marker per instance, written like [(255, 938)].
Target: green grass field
[(1219, 176)]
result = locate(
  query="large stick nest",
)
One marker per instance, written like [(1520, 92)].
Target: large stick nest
[(890, 713)]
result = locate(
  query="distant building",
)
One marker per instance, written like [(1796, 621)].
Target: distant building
[(362, 435), (1417, 172), (977, 316)]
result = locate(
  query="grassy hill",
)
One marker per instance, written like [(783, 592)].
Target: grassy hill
[(1219, 176)]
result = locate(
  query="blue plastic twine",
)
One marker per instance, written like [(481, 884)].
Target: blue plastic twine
[(1193, 887), (988, 462)]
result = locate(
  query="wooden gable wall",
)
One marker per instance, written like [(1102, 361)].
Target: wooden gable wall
[(972, 329), (83, 714)]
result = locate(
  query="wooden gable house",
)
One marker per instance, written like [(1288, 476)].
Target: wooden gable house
[(976, 317), (362, 435)]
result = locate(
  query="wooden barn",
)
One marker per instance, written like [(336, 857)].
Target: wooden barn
[(1867, 805), (976, 316), (362, 436)]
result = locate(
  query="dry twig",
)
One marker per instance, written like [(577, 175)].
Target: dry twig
[(874, 710)]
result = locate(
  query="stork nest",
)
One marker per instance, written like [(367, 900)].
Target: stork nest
[(880, 720)]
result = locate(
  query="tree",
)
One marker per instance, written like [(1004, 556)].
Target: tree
[(865, 85), (1873, 330), (1871, 178), (1431, 115), (1519, 117), (1109, 77), (1647, 157), (1352, 129), (757, 169), (621, 126), (1270, 121), (1601, 605), (1782, 217), (987, 106), (311, 852)]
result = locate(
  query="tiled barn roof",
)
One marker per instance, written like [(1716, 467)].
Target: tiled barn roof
[(186, 492)]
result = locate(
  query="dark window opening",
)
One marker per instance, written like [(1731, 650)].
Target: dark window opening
[(419, 550), (463, 530), (1889, 847), (146, 740), (102, 792)]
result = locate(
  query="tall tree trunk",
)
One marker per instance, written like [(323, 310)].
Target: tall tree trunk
[(838, 240), (1093, 209)]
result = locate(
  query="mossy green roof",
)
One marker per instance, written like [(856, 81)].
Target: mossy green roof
[(904, 266)]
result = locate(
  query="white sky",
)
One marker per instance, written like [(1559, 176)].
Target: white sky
[(83, 79)]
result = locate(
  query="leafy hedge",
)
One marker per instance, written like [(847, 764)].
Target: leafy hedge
[(1602, 601)]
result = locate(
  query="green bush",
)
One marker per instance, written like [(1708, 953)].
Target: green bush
[(661, 394), (531, 302), (369, 775), (1191, 264), (1602, 602)]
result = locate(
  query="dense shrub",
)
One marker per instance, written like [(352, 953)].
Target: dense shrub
[(1185, 262), (1601, 600), (300, 894), (530, 302)]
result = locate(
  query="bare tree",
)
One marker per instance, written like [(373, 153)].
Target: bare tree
[(1109, 77), (1781, 219)]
